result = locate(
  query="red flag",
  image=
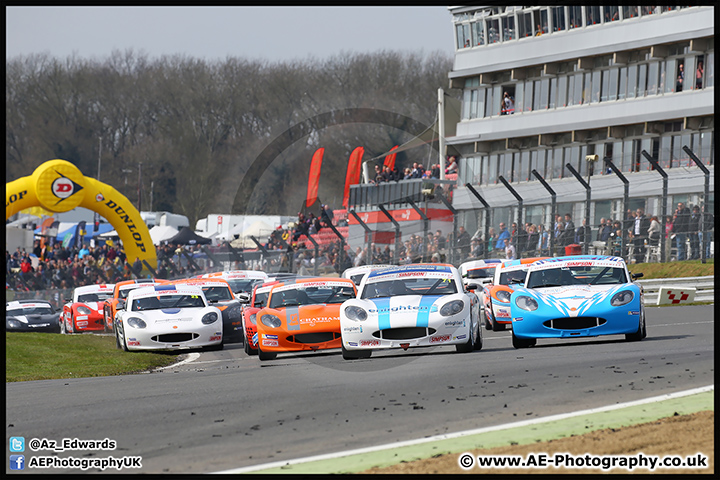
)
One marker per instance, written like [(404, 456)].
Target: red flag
[(390, 159), (353, 172), (314, 177)]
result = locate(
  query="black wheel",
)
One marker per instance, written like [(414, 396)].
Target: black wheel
[(498, 327), (248, 349), (62, 325), (122, 345), (479, 341), (71, 327), (642, 329), (468, 346), (266, 355), (523, 342), (355, 354)]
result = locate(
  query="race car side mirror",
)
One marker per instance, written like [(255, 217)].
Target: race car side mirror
[(637, 275), (244, 297), (472, 286), (120, 305)]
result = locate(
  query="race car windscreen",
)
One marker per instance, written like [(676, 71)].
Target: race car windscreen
[(410, 286), (481, 273), (161, 302), (35, 310), (123, 293), (311, 296), (94, 297), (513, 277), (589, 275), (356, 278), (244, 284), (217, 294)]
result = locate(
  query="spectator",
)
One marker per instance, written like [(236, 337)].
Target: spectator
[(604, 230), (418, 170), (706, 235), (568, 233), (435, 172), (639, 231), (508, 104), (543, 245), (500, 243), (452, 167), (533, 238), (699, 75), (681, 223), (463, 242), (509, 249), (408, 174), (653, 232), (694, 227), (326, 215), (680, 78)]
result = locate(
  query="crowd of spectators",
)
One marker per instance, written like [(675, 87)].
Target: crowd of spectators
[(386, 174)]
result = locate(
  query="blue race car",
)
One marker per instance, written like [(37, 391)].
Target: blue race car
[(577, 296)]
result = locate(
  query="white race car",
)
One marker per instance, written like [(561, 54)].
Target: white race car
[(418, 305), (168, 317)]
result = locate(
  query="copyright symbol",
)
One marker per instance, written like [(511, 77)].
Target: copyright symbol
[(34, 444), (466, 461)]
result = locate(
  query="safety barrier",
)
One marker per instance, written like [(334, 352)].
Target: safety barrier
[(704, 287)]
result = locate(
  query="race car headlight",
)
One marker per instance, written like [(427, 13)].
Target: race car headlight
[(270, 321), (621, 298), (355, 313), (84, 310), (452, 308), (503, 296), (235, 312), (526, 303), (136, 322), (209, 318), (14, 323), (253, 318)]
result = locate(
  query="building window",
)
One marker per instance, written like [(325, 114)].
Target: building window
[(493, 30), (596, 85), (632, 81), (593, 15), (612, 14), (478, 33), (588, 88), (525, 24), (522, 173), (670, 66), (544, 93), (558, 18), (629, 12), (699, 72), (642, 79), (528, 96), (710, 70), (488, 102), (575, 17), (537, 162), (612, 92), (562, 94), (491, 176), (508, 25), (652, 79), (463, 35)]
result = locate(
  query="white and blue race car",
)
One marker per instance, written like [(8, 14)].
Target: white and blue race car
[(419, 305), (577, 296), (168, 317)]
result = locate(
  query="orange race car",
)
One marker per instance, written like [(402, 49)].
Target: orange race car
[(217, 292), (496, 295), (303, 315), (120, 293)]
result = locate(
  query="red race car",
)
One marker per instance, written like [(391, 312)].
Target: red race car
[(257, 302), (84, 311)]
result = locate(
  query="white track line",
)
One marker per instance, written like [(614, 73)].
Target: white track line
[(465, 433)]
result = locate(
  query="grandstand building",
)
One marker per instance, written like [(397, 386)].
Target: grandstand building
[(584, 81)]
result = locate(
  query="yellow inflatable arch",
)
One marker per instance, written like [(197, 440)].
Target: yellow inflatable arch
[(59, 186)]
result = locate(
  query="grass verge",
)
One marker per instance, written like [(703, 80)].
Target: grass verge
[(687, 268), (44, 356)]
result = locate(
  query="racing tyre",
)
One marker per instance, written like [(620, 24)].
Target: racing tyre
[(121, 345), (62, 325), (523, 342), (248, 349), (71, 327), (266, 355), (642, 330), (479, 341), (488, 324), (498, 327), (355, 354), (466, 347)]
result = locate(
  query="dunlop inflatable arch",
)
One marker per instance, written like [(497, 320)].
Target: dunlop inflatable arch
[(59, 186)]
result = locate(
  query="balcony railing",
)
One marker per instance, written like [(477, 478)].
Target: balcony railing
[(369, 196)]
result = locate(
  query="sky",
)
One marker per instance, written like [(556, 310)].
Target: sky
[(274, 34)]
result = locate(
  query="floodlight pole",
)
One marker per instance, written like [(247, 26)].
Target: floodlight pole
[(487, 214), (520, 207), (397, 232), (626, 201), (587, 201), (426, 225), (368, 235)]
